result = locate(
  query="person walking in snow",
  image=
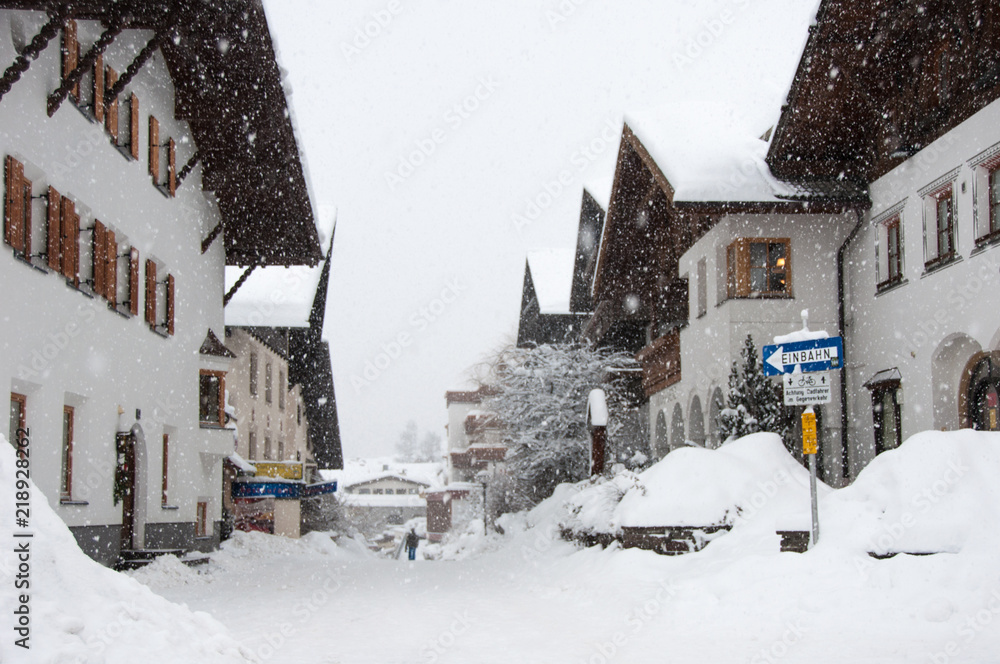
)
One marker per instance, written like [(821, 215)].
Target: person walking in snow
[(412, 540)]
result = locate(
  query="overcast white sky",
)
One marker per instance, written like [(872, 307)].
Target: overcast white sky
[(483, 104)]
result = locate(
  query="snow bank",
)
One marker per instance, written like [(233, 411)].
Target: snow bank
[(84, 612), (751, 478), (938, 492)]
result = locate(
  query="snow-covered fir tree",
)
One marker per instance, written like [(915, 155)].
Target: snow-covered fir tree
[(541, 400), (755, 403)]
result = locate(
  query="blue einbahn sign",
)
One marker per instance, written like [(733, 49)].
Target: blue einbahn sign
[(809, 356)]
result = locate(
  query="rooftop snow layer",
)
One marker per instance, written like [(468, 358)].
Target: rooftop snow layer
[(552, 275)]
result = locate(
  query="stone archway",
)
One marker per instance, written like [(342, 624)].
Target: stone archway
[(696, 422), (677, 428), (949, 364), (979, 392), (660, 443)]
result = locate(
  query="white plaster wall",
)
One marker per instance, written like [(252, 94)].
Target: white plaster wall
[(929, 326), (712, 342), (62, 347)]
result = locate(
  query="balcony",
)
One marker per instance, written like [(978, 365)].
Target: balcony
[(661, 362)]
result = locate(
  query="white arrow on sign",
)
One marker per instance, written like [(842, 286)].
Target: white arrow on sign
[(774, 359)]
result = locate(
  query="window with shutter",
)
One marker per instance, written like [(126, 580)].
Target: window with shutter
[(71, 56), (170, 304), (98, 88), (133, 126), (759, 267), (17, 207), (111, 270), (70, 243), (54, 230), (172, 167), (154, 149), (111, 112), (99, 259), (133, 281), (151, 293)]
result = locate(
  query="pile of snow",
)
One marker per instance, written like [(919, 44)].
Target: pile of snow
[(749, 479), (938, 492), (84, 612)]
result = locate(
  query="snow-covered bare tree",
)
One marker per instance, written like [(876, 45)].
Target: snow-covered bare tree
[(540, 399), (755, 402), (408, 444), (413, 449)]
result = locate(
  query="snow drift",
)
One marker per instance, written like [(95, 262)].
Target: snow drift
[(751, 479), (84, 612)]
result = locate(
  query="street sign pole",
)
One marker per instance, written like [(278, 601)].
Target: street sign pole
[(810, 447)]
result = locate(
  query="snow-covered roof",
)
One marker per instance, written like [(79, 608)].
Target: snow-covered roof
[(277, 296), (552, 275), (356, 471), (708, 153), (381, 500)]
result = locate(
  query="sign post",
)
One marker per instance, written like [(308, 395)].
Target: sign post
[(804, 367), (809, 448)]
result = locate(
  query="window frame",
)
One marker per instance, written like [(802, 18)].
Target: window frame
[(165, 483), (22, 421), (66, 465), (935, 231), (739, 269), (281, 388), (201, 519), (268, 380), (221, 376), (888, 225), (254, 370)]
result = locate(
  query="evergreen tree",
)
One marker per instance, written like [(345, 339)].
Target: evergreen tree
[(755, 402)]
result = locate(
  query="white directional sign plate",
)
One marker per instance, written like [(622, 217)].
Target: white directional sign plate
[(807, 389)]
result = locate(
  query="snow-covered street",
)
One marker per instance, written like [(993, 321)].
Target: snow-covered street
[(532, 599)]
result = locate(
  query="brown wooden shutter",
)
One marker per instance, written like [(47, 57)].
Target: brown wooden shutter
[(55, 230), (111, 269), (99, 88), (151, 293), (111, 112), (154, 149), (170, 304), (133, 281), (172, 167), (99, 255), (70, 242), (14, 204), (133, 126), (26, 219), (71, 55)]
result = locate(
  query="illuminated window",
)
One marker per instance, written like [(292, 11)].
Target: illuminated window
[(759, 267)]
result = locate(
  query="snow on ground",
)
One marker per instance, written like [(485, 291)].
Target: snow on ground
[(527, 596), (83, 612)]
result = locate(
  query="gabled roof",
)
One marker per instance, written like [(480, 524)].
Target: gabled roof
[(867, 93), (228, 88)]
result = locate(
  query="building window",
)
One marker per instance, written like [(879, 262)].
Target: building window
[(378, 491), (267, 382), (886, 416), (18, 417), (939, 226), (212, 398), (166, 456), (267, 448), (759, 267), (281, 450), (162, 163), (889, 250), (281, 389), (702, 287), (201, 519), (252, 444), (66, 477), (253, 374), (104, 266), (364, 491), (298, 414), (17, 208), (994, 202)]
